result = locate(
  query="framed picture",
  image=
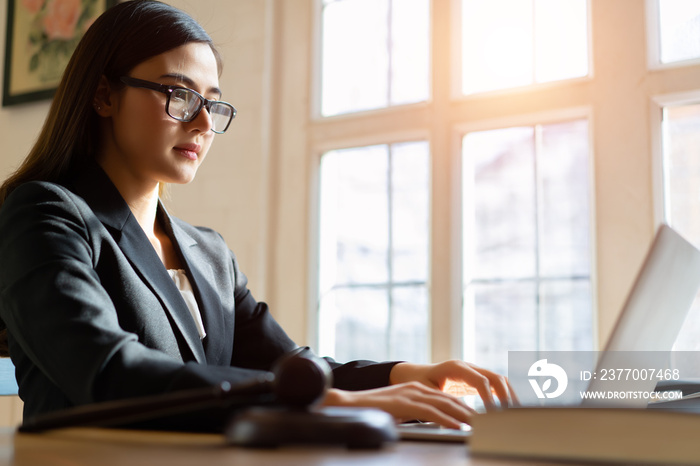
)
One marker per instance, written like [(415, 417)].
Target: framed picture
[(41, 37)]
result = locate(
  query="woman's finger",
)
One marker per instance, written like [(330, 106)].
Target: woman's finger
[(411, 400)]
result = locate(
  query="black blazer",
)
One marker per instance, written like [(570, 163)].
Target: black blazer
[(93, 315)]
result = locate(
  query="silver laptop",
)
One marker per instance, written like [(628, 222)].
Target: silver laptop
[(654, 312), (668, 280), (650, 320)]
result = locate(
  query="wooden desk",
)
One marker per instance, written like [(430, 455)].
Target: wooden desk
[(106, 447)]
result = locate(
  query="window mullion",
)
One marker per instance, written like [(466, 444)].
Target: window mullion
[(538, 228), (445, 236), (389, 51), (390, 251), (534, 42)]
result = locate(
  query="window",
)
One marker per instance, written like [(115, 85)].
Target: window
[(374, 252), (675, 39), (677, 30), (681, 133), (681, 174), (526, 242), (612, 105), (511, 43), (383, 207), (384, 63)]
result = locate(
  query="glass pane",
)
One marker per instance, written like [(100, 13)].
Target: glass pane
[(499, 203), (354, 219), (410, 40), (681, 138), (510, 43), (679, 30), (375, 53), (410, 211), (496, 44), (410, 324), (355, 58), (353, 324), (526, 218), (505, 320), (375, 210), (564, 197), (681, 134), (561, 39), (567, 317)]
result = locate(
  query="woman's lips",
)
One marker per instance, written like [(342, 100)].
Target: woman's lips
[(189, 151)]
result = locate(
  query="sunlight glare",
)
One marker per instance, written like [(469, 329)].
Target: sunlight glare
[(512, 43)]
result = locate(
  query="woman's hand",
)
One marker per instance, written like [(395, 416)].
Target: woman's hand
[(430, 392), (458, 378), (405, 402)]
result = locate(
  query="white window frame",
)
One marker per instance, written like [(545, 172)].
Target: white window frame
[(625, 195), (316, 90), (654, 41), (657, 104), (314, 208), (446, 308), (529, 120), (456, 85)]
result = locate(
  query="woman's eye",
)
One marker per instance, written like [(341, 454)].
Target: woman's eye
[(180, 95)]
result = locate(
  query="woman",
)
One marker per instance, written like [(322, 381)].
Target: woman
[(107, 296)]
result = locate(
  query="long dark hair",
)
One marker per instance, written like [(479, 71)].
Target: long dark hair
[(120, 39)]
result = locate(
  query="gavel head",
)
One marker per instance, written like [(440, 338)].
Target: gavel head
[(301, 378)]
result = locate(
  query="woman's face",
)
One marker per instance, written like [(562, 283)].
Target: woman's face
[(146, 144)]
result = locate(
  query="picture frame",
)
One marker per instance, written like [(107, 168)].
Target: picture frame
[(41, 36)]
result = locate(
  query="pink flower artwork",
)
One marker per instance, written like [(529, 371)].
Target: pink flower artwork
[(61, 19), (33, 6)]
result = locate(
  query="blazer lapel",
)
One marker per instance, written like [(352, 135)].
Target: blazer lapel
[(216, 344), (143, 257), (104, 199)]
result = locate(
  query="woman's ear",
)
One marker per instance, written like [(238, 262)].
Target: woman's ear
[(103, 101)]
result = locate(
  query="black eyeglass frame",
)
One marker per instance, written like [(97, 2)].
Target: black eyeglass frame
[(168, 91)]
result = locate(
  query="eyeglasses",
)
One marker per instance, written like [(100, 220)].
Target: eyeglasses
[(184, 104)]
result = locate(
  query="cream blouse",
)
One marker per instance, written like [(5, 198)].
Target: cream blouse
[(183, 284)]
